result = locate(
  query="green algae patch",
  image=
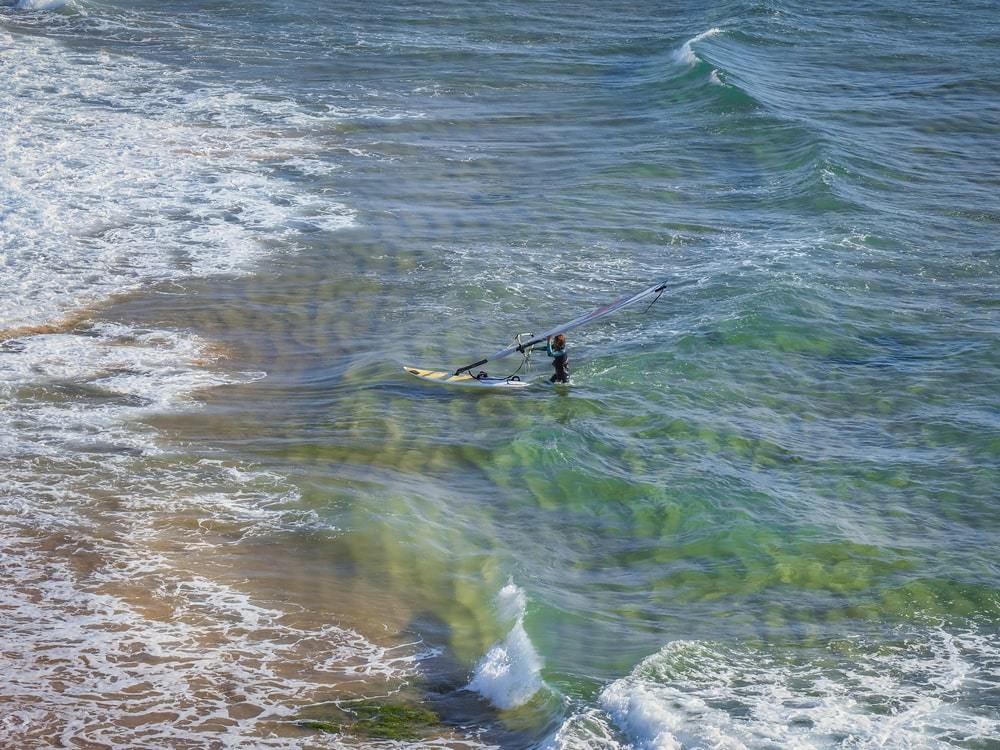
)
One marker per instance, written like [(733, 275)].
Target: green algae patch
[(383, 721), (394, 722), (320, 726)]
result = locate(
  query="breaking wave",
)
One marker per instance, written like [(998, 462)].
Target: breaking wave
[(928, 689), (509, 674), (685, 54)]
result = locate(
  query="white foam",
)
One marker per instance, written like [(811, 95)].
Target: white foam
[(39, 4), (122, 172), (83, 663), (95, 666), (100, 381), (509, 674), (588, 729), (511, 604), (685, 54), (926, 690)]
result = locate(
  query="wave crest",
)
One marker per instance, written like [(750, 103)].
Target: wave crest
[(685, 54)]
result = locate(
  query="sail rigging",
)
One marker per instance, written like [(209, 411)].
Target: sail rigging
[(600, 312)]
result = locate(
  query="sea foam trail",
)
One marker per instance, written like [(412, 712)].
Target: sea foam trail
[(509, 674), (927, 690), (685, 54)]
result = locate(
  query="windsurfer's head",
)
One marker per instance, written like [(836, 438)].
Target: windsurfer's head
[(559, 342)]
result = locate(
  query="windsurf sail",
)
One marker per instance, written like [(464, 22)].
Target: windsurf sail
[(600, 312)]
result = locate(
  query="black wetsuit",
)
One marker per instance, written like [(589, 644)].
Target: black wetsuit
[(560, 361)]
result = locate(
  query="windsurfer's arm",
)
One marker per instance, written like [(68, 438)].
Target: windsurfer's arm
[(548, 349)]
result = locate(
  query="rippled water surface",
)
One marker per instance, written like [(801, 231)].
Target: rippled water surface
[(764, 514)]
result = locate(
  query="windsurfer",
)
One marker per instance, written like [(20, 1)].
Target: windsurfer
[(555, 347)]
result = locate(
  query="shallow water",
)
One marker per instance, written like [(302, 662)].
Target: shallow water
[(763, 515)]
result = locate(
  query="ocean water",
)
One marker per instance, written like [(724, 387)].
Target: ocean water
[(764, 515)]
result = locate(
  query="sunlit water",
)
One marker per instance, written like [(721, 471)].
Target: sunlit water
[(764, 515)]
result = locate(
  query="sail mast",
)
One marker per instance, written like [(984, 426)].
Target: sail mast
[(590, 317)]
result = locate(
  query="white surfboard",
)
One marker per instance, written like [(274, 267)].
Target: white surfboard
[(465, 379)]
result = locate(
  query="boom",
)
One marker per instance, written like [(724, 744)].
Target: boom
[(590, 317)]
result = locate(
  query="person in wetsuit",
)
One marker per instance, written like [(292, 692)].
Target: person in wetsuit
[(556, 348)]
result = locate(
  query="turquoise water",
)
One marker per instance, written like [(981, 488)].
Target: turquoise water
[(764, 514)]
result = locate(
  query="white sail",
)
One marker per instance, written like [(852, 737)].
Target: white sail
[(590, 317)]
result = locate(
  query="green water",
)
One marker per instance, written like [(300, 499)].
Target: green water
[(764, 513)]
